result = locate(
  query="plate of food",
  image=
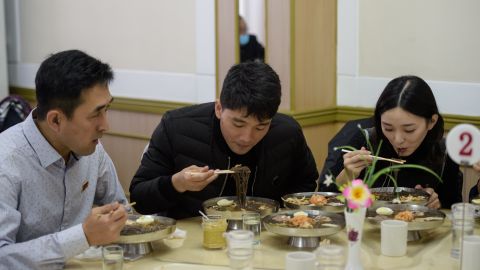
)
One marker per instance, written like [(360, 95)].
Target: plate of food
[(146, 228), (229, 207), (304, 223), (419, 217), (326, 201), (399, 195)]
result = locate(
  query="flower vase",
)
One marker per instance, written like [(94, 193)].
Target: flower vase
[(354, 226)]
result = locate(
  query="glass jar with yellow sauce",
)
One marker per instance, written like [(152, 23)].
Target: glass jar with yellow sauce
[(213, 229)]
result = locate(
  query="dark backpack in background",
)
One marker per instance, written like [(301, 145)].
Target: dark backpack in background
[(13, 110)]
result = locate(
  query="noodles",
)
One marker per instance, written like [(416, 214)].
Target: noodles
[(241, 175)]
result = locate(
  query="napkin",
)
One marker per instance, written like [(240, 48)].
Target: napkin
[(176, 239)]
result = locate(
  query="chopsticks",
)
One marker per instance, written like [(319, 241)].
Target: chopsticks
[(215, 172), (109, 213), (394, 160)]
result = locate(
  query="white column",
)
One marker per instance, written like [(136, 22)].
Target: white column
[(3, 54)]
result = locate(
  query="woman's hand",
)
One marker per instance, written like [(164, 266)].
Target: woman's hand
[(433, 202), (356, 161)]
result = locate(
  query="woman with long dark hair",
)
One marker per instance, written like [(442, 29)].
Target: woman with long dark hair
[(409, 126)]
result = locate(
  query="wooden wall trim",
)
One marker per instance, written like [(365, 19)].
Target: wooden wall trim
[(128, 135), (307, 118), (119, 103)]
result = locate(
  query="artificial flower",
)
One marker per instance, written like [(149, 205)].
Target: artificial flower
[(357, 194)]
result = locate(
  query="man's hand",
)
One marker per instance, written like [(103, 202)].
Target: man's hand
[(104, 224), (193, 178), (433, 202)]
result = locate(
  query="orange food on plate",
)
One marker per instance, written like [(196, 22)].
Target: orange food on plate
[(405, 216), (302, 221), (318, 199)]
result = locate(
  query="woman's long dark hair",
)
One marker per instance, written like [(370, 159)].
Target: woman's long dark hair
[(413, 95)]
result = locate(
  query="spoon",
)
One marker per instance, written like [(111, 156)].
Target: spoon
[(203, 214)]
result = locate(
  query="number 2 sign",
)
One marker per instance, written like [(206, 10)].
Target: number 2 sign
[(463, 144)]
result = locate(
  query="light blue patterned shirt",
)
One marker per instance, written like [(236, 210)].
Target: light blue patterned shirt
[(43, 201)]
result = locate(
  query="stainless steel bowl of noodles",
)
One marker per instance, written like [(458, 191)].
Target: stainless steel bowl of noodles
[(399, 195), (142, 229), (419, 217), (326, 201), (229, 207), (304, 223)]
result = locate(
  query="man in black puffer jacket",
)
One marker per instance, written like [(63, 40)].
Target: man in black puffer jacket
[(243, 127)]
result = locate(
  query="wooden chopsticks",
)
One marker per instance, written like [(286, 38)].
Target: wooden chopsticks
[(394, 160), (215, 172)]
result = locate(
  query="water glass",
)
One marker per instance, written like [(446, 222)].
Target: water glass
[(394, 237), (112, 257), (462, 220), (471, 252), (214, 226), (330, 257), (300, 260), (240, 249), (252, 222)]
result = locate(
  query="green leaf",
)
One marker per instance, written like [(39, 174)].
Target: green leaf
[(402, 166)]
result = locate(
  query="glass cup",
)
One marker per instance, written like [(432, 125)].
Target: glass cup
[(330, 257), (461, 221), (240, 249), (112, 257), (393, 237), (252, 222), (471, 251), (300, 260), (213, 228)]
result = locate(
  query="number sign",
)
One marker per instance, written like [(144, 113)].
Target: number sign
[(463, 144)]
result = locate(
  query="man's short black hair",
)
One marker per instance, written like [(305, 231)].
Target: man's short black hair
[(253, 86), (62, 78)]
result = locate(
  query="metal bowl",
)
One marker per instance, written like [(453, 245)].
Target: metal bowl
[(476, 202), (166, 228), (260, 205), (418, 224), (334, 206), (318, 230), (392, 193)]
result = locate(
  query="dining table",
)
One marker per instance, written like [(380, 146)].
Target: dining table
[(431, 251)]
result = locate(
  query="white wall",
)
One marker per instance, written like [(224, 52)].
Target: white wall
[(437, 40), (3, 54), (159, 49)]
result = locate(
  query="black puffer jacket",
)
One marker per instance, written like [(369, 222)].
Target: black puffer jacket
[(186, 137)]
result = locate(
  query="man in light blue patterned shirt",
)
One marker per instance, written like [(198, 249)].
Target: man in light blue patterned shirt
[(53, 169)]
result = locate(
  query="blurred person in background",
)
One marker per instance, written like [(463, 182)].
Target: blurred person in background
[(250, 48)]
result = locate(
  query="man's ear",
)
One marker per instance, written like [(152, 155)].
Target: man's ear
[(218, 108), (54, 119), (432, 121)]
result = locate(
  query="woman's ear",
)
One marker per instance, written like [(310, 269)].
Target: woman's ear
[(432, 121)]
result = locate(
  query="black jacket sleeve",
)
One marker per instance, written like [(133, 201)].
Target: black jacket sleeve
[(473, 192), (304, 166), (151, 187), (450, 190)]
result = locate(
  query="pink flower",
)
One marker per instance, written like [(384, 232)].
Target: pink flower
[(357, 194)]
